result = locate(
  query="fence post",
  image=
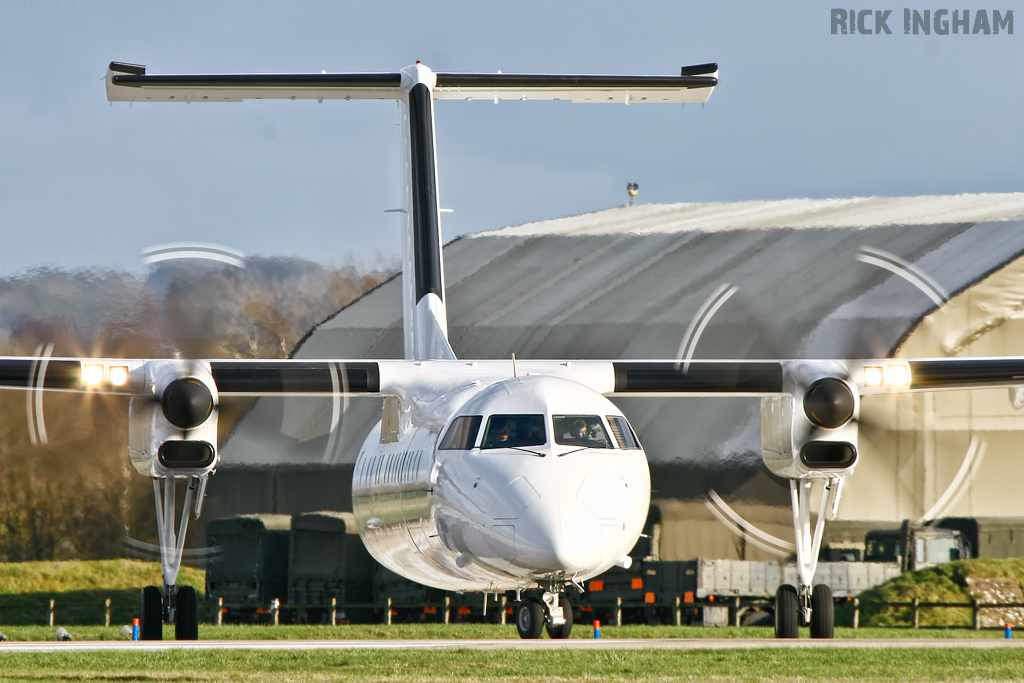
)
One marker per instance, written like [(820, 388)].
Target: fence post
[(678, 611), (52, 603), (275, 608), (387, 616), (106, 620), (447, 609), (618, 611), (977, 615), (856, 612), (485, 603), (736, 611), (504, 609), (334, 611), (220, 612)]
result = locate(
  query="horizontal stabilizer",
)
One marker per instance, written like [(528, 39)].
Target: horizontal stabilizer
[(131, 83), (687, 87)]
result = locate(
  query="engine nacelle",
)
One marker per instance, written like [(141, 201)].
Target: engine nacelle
[(811, 429), (172, 430)]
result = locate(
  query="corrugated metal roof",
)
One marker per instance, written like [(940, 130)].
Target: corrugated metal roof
[(791, 213)]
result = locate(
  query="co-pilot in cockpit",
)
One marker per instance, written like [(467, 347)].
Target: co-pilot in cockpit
[(580, 430)]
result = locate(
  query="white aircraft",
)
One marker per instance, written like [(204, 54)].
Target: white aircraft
[(486, 475)]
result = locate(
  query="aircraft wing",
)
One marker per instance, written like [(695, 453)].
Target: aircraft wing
[(131, 83), (609, 377), (758, 378), (231, 377)]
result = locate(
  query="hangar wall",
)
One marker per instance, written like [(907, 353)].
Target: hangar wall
[(626, 282)]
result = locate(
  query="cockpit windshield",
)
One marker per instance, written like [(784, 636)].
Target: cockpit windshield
[(585, 431), (514, 431)]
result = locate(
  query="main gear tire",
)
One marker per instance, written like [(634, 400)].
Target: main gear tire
[(151, 614), (787, 612), (823, 612), (186, 622)]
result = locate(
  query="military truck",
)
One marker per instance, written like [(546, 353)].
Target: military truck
[(915, 546)]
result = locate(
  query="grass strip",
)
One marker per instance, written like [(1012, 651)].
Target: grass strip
[(474, 632), (466, 665), (73, 575)]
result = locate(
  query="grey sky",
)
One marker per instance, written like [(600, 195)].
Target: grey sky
[(798, 113)]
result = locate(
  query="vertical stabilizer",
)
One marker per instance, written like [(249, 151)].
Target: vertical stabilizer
[(423, 303)]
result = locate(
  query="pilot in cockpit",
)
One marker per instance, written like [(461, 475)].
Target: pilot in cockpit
[(501, 436), (498, 434), (578, 431)]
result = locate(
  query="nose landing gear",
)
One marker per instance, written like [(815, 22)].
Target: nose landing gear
[(529, 619), (551, 611), (564, 609)]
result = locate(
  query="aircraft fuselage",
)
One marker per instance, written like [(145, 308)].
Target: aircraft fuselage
[(529, 480)]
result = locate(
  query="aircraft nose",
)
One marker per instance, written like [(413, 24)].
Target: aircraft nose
[(569, 517), (554, 536)]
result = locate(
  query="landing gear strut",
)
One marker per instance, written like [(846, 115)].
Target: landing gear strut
[(173, 605), (799, 604), (565, 628)]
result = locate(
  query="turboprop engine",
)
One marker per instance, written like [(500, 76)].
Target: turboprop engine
[(172, 431), (810, 430)]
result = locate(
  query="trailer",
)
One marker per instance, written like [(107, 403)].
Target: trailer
[(714, 592), (328, 565)]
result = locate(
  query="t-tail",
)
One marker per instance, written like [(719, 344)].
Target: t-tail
[(416, 87), (424, 312)]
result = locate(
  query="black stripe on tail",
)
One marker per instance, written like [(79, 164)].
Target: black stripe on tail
[(426, 231)]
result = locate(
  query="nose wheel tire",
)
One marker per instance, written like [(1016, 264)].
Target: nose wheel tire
[(186, 625), (565, 629), (787, 612), (823, 616), (529, 619), (151, 614)]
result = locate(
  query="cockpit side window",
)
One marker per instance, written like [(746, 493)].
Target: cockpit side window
[(514, 431), (580, 430), (623, 433), (461, 436)]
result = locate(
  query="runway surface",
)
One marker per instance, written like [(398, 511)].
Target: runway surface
[(571, 644)]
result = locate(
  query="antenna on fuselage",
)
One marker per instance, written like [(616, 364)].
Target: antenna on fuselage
[(514, 373)]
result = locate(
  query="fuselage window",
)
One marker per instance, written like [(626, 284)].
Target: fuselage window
[(581, 430), (514, 431), (462, 434), (622, 432)]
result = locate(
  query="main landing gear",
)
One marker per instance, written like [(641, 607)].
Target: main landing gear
[(792, 609), (172, 605), (804, 604), (550, 610)]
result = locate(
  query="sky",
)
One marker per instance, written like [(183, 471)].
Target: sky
[(799, 112)]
